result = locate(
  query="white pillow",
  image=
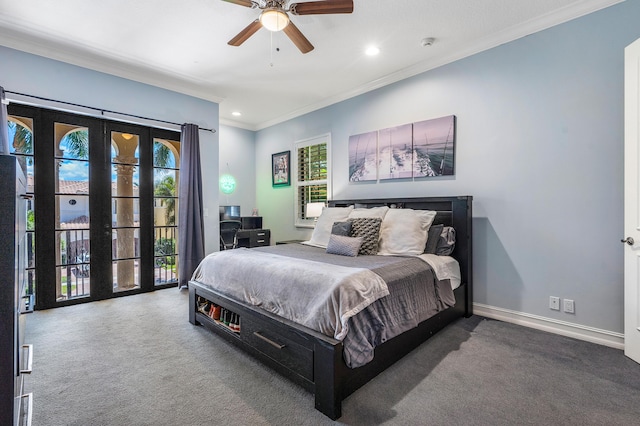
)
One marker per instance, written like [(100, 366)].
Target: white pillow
[(366, 213), (322, 231), (404, 231)]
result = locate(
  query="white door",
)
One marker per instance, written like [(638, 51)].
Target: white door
[(631, 202)]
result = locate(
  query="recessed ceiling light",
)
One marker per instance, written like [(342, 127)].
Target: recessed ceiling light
[(236, 113), (372, 51)]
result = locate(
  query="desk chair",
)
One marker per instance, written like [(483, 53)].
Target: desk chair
[(229, 234)]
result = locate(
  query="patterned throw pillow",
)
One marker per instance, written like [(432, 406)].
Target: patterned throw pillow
[(369, 230), (344, 246)]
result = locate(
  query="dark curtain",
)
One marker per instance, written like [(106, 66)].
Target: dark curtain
[(190, 223), (4, 125)]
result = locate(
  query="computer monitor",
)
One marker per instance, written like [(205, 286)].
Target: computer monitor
[(229, 212)]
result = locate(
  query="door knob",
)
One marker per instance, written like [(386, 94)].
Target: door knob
[(628, 240)]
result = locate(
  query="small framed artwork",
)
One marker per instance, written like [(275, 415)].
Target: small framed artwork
[(280, 169)]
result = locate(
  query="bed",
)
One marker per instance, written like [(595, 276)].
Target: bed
[(318, 361)]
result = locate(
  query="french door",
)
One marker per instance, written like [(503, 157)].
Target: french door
[(105, 205)]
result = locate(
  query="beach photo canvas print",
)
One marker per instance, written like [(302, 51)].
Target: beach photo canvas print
[(433, 147), (395, 152), (363, 150)]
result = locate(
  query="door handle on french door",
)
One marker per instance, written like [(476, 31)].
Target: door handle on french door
[(628, 240)]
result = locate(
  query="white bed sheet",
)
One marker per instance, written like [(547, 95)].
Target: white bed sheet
[(445, 268)]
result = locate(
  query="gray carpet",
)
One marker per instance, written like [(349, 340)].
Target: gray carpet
[(137, 361)]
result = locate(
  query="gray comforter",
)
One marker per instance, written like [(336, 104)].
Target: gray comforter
[(301, 290), (396, 293)]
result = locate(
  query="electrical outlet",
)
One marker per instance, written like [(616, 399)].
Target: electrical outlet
[(554, 303), (569, 306)]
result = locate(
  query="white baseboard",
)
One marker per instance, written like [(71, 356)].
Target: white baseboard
[(563, 328)]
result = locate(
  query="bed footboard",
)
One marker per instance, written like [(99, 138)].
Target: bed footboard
[(304, 356)]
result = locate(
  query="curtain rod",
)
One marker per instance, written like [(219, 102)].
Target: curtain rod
[(102, 110)]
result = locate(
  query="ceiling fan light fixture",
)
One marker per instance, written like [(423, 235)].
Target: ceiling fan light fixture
[(274, 19)]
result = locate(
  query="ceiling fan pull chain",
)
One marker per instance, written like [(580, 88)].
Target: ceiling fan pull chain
[(271, 52)]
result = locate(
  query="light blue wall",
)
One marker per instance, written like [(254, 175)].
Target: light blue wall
[(539, 146), (237, 157), (34, 75)]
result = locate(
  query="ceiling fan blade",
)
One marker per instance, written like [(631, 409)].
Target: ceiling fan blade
[(246, 3), (245, 34), (298, 38), (322, 7)]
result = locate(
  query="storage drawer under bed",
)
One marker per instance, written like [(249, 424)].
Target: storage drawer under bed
[(284, 351)]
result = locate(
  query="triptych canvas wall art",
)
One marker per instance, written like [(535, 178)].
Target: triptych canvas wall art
[(416, 150)]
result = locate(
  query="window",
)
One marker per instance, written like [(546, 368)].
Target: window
[(313, 177)]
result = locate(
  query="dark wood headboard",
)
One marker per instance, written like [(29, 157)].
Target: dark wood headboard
[(451, 211)]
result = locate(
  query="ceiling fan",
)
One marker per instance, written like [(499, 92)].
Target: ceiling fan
[(274, 17)]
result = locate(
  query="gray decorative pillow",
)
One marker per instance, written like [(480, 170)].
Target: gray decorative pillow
[(446, 242), (344, 246), (369, 229), (341, 228), (433, 238)]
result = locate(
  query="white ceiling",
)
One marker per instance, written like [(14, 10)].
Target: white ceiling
[(182, 45)]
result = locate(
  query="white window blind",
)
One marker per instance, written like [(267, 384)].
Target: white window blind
[(312, 178)]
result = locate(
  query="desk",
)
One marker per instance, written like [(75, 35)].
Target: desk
[(254, 237)]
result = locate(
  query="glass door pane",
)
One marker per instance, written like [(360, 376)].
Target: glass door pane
[(72, 219), (21, 140), (125, 198), (165, 210)]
